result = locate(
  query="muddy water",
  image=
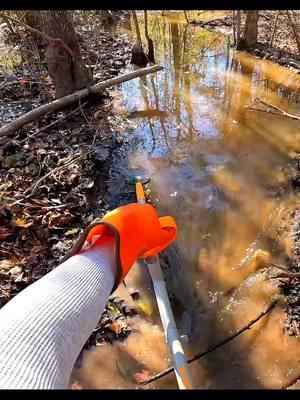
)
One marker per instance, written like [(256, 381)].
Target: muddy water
[(219, 168)]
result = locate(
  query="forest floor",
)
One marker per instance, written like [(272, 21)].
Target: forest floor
[(284, 49), (37, 227)]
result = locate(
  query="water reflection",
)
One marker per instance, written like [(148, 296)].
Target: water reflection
[(215, 167)]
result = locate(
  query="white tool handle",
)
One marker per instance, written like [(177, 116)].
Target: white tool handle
[(181, 367)]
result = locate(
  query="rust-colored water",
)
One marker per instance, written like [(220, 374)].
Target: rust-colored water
[(217, 167)]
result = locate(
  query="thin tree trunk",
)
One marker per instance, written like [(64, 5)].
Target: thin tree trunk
[(186, 16), (138, 57), (238, 26), (296, 34), (149, 40), (137, 28), (274, 28), (234, 27)]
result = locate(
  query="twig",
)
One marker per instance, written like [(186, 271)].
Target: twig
[(36, 185), (265, 111), (39, 33), (291, 382), (274, 28), (47, 208), (286, 274), (83, 114), (23, 15), (279, 267), (186, 16), (27, 195), (28, 27), (52, 123), (216, 346), (281, 112)]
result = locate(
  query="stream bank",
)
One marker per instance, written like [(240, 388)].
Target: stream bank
[(284, 49), (37, 230)]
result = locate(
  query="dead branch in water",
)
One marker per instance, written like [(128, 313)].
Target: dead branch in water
[(285, 274), (291, 382), (186, 16), (12, 127), (280, 111), (216, 346)]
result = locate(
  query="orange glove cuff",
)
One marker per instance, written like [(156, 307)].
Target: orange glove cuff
[(138, 233)]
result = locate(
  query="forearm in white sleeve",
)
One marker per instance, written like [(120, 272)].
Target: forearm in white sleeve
[(43, 329)]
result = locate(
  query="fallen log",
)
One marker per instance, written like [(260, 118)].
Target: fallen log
[(10, 128)]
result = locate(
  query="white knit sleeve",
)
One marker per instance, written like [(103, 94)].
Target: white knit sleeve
[(43, 329)]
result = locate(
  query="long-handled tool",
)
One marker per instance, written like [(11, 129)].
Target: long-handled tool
[(182, 371)]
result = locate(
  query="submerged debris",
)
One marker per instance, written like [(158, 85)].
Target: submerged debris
[(291, 285)]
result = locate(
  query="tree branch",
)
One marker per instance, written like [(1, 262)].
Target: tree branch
[(39, 33), (280, 111), (27, 27), (216, 346), (12, 127)]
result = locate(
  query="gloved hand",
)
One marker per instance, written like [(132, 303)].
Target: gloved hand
[(138, 231)]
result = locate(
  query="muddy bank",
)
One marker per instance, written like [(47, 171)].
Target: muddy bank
[(284, 48)]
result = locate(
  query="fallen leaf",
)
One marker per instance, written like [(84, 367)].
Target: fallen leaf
[(13, 160), (6, 264), (76, 386), (143, 376), (22, 223), (145, 307), (59, 219), (116, 327), (98, 114), (15, 271), (41, 151), (47, 78), (113, 307), (39, 249), (33, 168), (71, 232), (6, 185), (4, 233)]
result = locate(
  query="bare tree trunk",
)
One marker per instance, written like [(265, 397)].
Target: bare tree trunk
[(138, 57), (149, 40), (295, 31), (234, 27), (137, 28), (274, 28), (238, 26), (68, 71), (250, 30), (186, 16)]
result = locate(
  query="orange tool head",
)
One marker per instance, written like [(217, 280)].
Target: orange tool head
[(140, 194)]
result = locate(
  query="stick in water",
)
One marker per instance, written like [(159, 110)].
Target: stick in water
[(216, 346)]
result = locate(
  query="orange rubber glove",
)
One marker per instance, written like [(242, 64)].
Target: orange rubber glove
[(138, 231)]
